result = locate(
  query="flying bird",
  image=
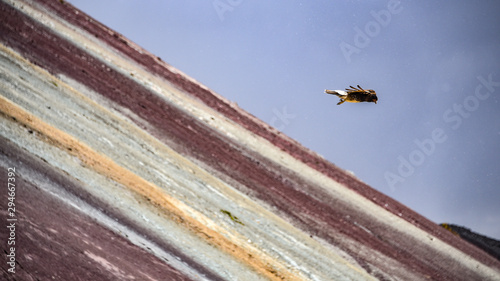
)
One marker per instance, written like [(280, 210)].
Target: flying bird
[(354, 95)]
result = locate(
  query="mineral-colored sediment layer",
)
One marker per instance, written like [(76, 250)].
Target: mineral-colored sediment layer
[(127, 169)]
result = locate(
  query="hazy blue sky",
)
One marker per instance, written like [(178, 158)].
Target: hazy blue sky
[(432, 141)]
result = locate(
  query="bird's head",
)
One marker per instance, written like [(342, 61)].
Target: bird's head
[(373, 96)]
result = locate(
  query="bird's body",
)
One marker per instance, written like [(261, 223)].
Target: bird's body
[(354, 95)]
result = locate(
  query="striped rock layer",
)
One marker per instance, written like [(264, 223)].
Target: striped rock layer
[(128, 169)]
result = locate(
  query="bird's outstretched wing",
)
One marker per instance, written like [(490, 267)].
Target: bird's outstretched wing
[(353, 89)]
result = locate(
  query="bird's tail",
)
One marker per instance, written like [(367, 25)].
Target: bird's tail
[(331, 92)]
